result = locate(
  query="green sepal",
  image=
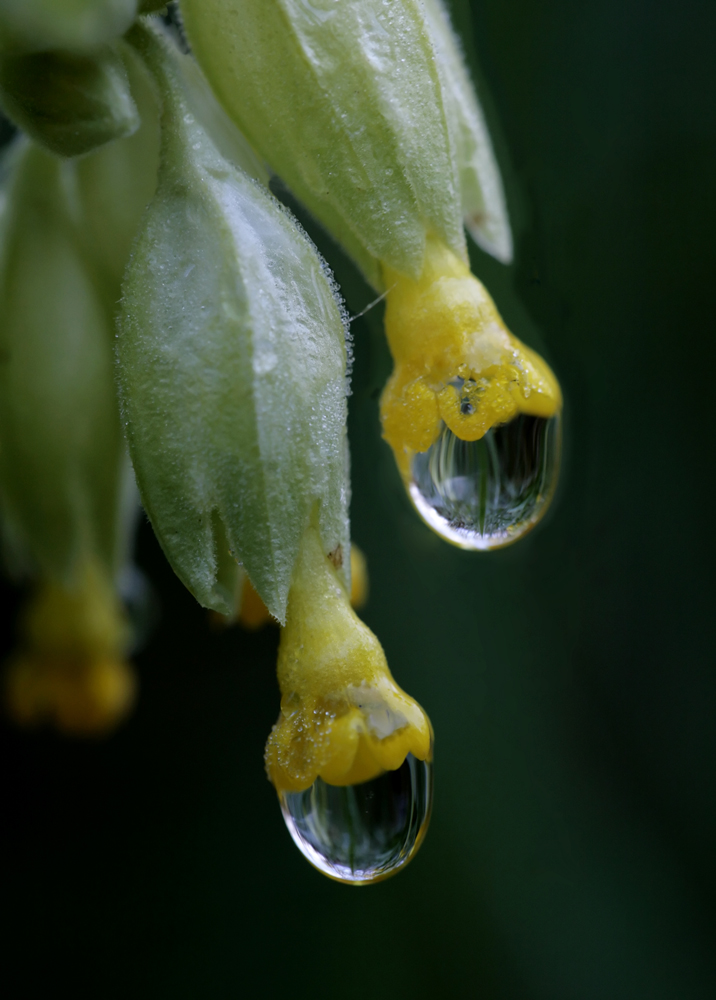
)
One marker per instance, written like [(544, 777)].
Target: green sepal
[(62, 457), (222, 131), (66, 102), (231, 361), (152, 6), (116, 183), (73, 25), (344, 100), (483, 199)]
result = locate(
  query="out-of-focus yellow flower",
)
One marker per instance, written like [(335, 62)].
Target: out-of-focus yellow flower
[(70, 669), (359, 578), (343, 718)]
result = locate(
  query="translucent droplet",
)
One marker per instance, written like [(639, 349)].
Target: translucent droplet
[(488, 493), (362, 833)]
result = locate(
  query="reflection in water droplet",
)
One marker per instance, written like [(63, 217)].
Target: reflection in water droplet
[(362, 833), (485, 494)]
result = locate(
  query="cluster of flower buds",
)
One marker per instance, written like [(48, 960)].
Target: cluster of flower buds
[(164, 316)]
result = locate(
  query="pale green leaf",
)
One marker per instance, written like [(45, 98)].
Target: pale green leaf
[(117, 182), (483, 199), (345, 102), (72, 25), (68, 103), (232, 368), (61, 448)]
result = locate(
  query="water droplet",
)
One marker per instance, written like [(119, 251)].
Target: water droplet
[(488, 493), (362, 833)]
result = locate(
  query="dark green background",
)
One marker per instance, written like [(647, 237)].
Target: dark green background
[(570, 679)]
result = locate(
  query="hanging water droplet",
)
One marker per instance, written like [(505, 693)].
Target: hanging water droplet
[(488, 493), (362, 833)]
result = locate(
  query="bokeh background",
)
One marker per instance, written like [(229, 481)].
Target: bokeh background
[(570, 679)]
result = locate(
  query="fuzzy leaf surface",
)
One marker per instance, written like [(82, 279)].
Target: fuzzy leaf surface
[(344, 100), (232, 368), (483, 199)]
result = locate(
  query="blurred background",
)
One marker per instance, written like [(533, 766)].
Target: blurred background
[(570, 679)]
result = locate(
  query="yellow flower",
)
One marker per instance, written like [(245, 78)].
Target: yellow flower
[(70, 669), (456, 363), (343, 718)]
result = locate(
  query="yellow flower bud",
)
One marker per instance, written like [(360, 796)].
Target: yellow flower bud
[(343, 717), (351, 754), (445, 328), (459, 376), (70, 669)]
